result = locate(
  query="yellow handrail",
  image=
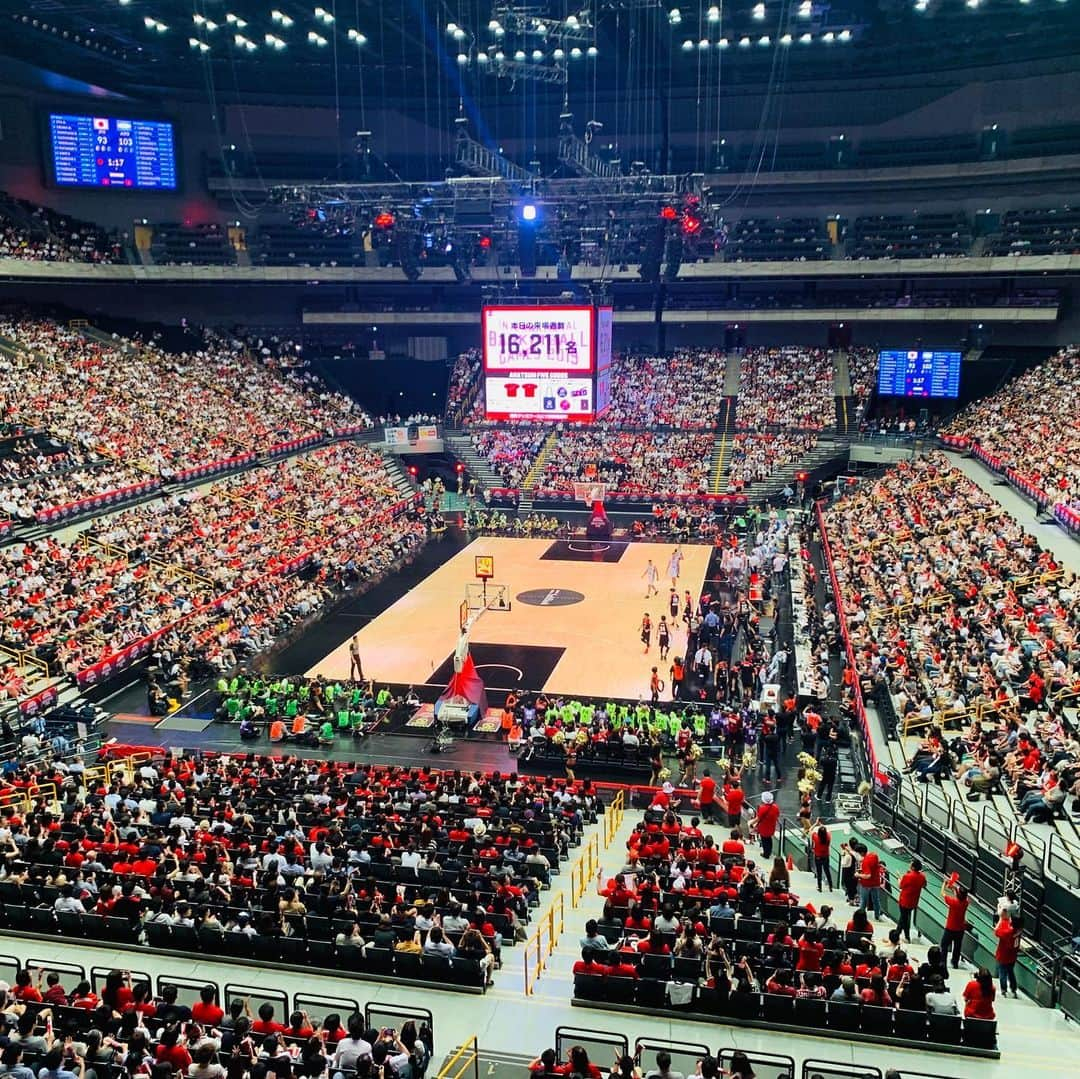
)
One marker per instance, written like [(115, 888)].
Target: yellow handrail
[(581, 873), (613, 818), (471, 1047), (553, 924)]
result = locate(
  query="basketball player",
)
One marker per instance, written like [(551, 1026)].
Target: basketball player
[(663, 637), (654, 685), (356, 670), (646, 632), (651, 575), (673, 603), (674, 565)]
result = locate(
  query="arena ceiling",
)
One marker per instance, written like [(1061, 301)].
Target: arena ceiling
[(409, 50)]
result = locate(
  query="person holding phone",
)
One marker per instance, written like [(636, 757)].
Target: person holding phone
[(957, 902)]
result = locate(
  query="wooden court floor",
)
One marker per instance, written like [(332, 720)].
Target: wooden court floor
[(573, 627)]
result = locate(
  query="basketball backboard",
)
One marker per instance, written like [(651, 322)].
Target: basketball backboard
[(487, 595)]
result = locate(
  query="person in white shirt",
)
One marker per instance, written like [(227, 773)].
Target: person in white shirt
[(410, 858), (68, 903)]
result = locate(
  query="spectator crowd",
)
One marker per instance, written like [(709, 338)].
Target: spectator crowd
[(956, 613), (117, 414)]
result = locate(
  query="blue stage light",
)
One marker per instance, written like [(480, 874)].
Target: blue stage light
[(528, 212)]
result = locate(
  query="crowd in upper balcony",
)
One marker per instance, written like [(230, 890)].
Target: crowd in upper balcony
[(787, 386), (1032, 425), (114, 414), (684, 390), (38, 234)]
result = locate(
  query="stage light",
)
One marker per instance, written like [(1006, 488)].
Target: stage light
[(785, 39), (413, 470), (355, 35), (764, 39), (714, 14), (805, 39), (326, 16), (806, 9), (844, 35), (384, 220), (592, 52), (674, 16), (500, 55), (451, 27), (281, 17), (687, 45), (828, 37), (722, 43), (537, 55), (703, 43), (485, 242), (462, 58), (235, 20), (459, 34), (459, 467), (494, 25), (482, 58), (519, 55), (691, 224), (528, 211), (669, 213), (744, 42), (759, 11), (572, 22), (575, 53), (558, 54)]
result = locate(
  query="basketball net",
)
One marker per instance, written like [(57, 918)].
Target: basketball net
[(590, 493)]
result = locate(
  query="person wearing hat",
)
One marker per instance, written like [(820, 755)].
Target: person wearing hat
[(766, 821)]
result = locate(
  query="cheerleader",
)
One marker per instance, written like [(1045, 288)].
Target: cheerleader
[(663, 637), (646, 632)]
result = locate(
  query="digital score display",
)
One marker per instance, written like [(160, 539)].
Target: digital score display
[(107, 151), (919, 373), (538, 340), (532, 397)]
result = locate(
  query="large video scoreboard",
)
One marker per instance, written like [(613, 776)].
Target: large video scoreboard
[(107, 151), (547, 363), (918, 373)]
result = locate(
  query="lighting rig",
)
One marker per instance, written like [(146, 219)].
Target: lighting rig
[(608, 222)]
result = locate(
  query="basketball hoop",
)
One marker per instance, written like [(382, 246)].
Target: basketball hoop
[(590, 493)]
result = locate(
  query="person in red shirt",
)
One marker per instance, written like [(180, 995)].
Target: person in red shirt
[(821, 841), (1008, 932), (206, 1010), (765, 822), (266, 1024), (734, 799), (587, 964), (733, 844), (810, 951), (911, 886), (578, 1063), (869, 877), (979, 996), (171, 1051), (707, 795), (956, 905), (25, 990)]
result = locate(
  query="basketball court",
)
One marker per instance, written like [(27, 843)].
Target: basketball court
[(563, 616)]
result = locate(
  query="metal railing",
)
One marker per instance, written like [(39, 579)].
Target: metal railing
[(467, 1056), (541, 944), (582, 871), (613, 818)]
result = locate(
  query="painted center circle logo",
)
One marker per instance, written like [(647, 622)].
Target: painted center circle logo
[(550, 597)]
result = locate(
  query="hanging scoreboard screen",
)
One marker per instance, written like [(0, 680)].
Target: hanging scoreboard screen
[(544, 363), (108, 151), (918, 373)]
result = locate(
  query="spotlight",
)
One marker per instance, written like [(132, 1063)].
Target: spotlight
[(528, 211), (384, 220), (669, 213)]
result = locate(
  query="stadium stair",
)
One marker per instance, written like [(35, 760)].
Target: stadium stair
[(732, 375), (403, 485), (845, 404), (723, 441), (534, 473), (475, 465), (825, 450)]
